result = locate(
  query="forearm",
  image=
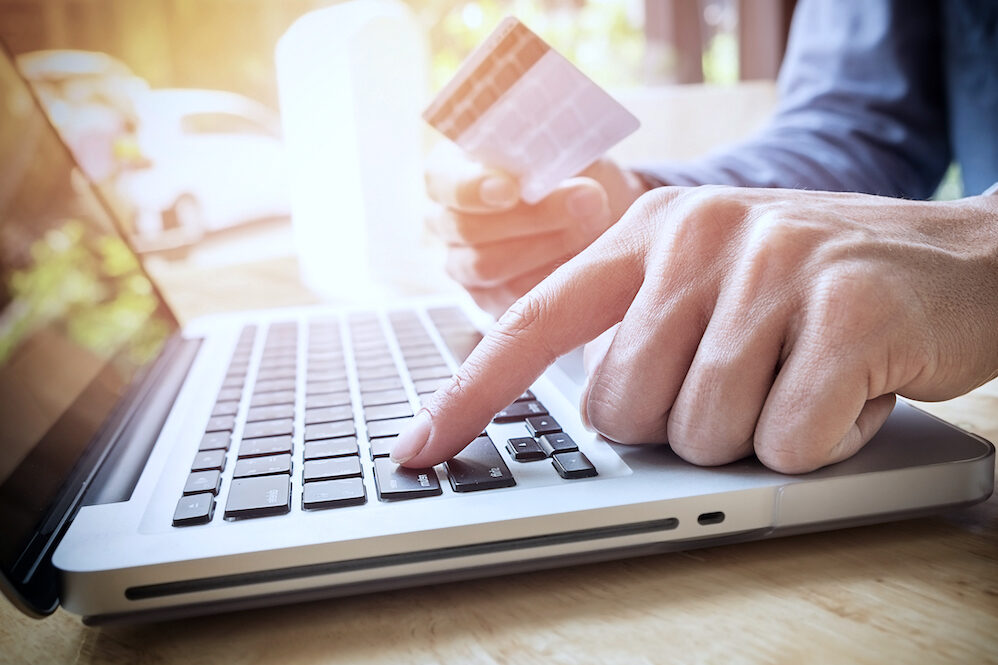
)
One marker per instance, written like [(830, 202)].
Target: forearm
[(861, 108)]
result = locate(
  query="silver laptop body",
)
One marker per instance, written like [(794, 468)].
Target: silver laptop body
[(104, 512)]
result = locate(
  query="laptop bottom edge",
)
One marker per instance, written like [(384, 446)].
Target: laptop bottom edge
[(249, 602)]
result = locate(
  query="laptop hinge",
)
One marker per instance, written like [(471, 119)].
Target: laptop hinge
[(106, 472)]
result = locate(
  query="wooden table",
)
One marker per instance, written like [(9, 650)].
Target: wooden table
[(917, 591)]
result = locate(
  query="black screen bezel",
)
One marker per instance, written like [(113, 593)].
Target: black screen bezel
[(29, 579)]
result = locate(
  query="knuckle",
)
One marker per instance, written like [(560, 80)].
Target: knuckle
[(455, 392), (777, 240), (788, 458), (623, 425), (707, 443), (623, 417), (845, 309), (702, 220), (524, 315), (688, 442), (526, 319)]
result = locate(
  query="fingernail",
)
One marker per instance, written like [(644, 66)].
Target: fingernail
[(413, 439), (584, 406), (497, 191), (584, 203)]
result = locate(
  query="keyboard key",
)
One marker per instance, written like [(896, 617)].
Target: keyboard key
[(573, 465), (332, 468), (432, 372), (272, 412), (333, 494), (382, 447), (424, 361), (478, 467), (278, 362), (279, 345), (259, 496), (462, 344), (425, 350), (526, 396), (281, 372), (371, 385), (328, 414), (525, 449), (268, 399), (238, 368), (383, 397), (270, 445), (520, 411), (541, 425), (273, 385), (208, 460), (373, 362), (382, 372), (557, 443), (203, 481), (370, 344), (327, 399), (318, 366), (262, 466), (344, 445), (329, 430), (225, 409), (320, 387), (230, 394), (386, 411), (194, 509), (215, 441), (234, 381), (392, 427), (282, 427), (220, 424), (396, 482), (430, 385), (315, 376)]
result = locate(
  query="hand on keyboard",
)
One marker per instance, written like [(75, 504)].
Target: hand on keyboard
[(499, 247), (769, 321)]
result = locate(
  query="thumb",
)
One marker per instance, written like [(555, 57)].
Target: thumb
[(455, 181), (592, 358)]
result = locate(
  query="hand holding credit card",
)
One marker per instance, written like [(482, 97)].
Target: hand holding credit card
[(518, 105)]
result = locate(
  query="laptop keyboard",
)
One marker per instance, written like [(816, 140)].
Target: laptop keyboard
[(356, 387)]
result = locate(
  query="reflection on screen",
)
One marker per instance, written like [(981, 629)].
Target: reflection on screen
[(78, 317)]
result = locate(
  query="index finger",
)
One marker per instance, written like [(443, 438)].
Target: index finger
[(577, 302)]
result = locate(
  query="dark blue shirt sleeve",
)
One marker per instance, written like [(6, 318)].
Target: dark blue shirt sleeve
[(862, 107)]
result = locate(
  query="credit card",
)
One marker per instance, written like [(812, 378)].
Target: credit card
[(518, 105)]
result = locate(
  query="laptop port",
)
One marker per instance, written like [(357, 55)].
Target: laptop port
[(711, 518)]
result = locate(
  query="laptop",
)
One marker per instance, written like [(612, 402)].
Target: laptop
[(152, 471)]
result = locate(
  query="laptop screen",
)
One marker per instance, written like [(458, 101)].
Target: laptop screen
[(79, 319)]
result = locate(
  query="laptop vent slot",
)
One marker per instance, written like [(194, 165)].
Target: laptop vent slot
[(315, 570)]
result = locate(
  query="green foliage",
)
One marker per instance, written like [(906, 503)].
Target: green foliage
[(90, 287), (720, 60), (602, 37)]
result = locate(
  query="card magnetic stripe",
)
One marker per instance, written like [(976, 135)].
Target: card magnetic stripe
[(512, 57)]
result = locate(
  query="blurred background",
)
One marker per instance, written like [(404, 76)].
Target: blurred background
[(171, 106)]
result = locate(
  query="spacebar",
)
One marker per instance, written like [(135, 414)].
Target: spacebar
[(479, 467)]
